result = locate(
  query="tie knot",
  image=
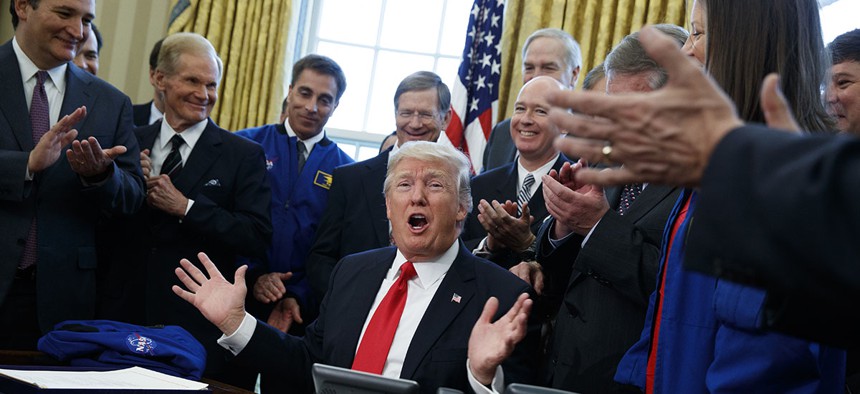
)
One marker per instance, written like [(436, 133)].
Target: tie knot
[(529, 181), (41, 77), (176, 141), (301, 147), (407, 271)]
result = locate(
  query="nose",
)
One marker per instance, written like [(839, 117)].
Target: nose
[(418, 196), (415, 120), (311, 105), (688, 46), (830, 94), (78, 29)]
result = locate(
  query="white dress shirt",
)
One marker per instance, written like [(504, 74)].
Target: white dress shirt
[(310, 143), (421, 290), (154, 113), (162, 146)]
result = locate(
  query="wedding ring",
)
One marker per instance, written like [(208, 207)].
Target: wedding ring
[(607, 150)]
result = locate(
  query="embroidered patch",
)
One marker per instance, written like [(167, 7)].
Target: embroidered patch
[(140, 344), (323, 180)]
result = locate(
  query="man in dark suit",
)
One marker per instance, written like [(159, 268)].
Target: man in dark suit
[(207, 189), (444, 286), (551, 52), (601, 262), (148, 113), (496, 227), (355, 219), (49, 202)]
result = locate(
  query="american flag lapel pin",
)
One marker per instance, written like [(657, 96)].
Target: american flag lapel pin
[(456, 298)]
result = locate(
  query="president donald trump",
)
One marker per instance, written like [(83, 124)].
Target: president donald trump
[(406, 311)]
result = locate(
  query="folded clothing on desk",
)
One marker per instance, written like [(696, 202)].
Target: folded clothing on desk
[(168, 349)]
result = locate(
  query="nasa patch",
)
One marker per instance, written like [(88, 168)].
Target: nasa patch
[(140, 344)]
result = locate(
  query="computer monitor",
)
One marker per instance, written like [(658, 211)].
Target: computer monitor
[(336, 380)]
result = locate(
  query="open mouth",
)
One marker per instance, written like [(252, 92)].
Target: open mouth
[(417, 222), (527, 133)]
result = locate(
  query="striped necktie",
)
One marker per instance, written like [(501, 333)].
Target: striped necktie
[(525, 192), (40, 120), (172, 164)]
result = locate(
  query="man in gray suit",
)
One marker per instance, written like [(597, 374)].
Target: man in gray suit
[(550, 52), (50, 201)]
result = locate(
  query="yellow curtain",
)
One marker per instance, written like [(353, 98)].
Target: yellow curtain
[(251, 38), (596, 24)]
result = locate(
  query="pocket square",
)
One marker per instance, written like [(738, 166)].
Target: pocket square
[(213, 182)]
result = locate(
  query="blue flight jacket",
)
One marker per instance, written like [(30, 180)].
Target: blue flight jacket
[(711, 336), (298, 201)]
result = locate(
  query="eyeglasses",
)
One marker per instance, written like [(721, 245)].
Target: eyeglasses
[(422, 116)]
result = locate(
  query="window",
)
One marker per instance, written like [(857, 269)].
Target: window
[(837, 17), (378, 43)]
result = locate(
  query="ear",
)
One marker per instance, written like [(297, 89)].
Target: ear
[(461, 214), (158, 80), (573, 77), (21, 7), (387, 208), (446, 119)]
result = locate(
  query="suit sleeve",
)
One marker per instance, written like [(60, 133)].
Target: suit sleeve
[(13, 168), (325, 252), (245, 227), (780, 211), (123, 192)]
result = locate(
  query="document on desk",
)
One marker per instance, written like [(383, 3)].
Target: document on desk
[(129, 378)]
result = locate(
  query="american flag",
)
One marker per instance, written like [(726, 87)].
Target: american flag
[(475, 94)]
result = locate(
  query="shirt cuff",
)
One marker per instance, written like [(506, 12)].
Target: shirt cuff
[(237, 341), (587, 236), (188, 207), (497, 386), (555, 243)]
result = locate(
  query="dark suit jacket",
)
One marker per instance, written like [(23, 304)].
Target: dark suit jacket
[(67, 210), (501, 184), (780, 212), (141, 114), (226, 177), (354, 221), (437, 353), (604, 288), (500, 149)]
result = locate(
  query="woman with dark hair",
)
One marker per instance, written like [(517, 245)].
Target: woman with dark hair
[(704, 334)]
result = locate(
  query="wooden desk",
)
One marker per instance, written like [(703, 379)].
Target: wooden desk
[(29, 358)]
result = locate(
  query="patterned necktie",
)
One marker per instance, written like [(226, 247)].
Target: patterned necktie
[(302, 150), (40, 120), (628, 196), (172, 164), (525, 192), (376, 342)]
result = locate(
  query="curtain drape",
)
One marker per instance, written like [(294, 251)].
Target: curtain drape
[(596, 24), (251, 38)]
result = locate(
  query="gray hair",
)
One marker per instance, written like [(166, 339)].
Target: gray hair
[(443, 153), (572, 56), (629, 57), (597, 73), (423, 80), (177, 44)]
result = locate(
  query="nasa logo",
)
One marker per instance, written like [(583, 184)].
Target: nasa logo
[(140, 344)]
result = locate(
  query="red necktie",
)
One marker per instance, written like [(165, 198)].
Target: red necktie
[(40, 120), (373, 349)]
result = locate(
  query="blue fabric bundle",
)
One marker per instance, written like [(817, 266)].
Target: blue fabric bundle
[(105, 343)]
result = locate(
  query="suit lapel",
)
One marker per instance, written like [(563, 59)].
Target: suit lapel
[(537, 205), (442, 310), (12, 102), (373, 190), (647, 200), (146, 135), (508, 188), (366, 284), (77, 94), (204, 155)]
